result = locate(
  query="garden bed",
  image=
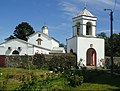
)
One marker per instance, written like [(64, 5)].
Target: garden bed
[(93, 80)]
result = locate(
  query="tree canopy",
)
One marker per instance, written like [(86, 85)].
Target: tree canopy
[(23, 30), (116, 44), (10, 37)]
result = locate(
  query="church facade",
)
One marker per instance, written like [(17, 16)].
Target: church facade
[(84, 43), (39, 42)]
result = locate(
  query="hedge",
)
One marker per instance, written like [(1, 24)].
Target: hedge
[(41, 60), (55, 60)]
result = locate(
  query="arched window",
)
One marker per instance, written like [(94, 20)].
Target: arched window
[(15, 52), (71, 50), (88, 28), (78, 28)]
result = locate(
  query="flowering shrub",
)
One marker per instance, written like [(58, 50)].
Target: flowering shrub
[(33, 84), (74, 77)]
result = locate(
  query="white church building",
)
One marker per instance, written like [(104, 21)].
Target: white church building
[(89, 49), (39, 42)]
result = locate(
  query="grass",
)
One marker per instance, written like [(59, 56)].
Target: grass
[(12, 84), (117, 71), (99, 80), (93, 80), (96, 87), (14, 75)]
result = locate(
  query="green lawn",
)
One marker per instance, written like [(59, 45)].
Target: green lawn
[(14, 76), (99, 80), (93, 80), (117, 71)]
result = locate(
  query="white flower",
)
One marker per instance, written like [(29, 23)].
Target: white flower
[(1, 74), (51, 72)]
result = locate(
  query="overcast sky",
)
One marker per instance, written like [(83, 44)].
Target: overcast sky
[(57, 14)]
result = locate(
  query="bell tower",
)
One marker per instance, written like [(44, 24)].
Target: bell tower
[(84, 24), (45, 29), (88, 48)]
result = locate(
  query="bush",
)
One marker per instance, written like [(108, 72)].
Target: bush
[(74, 77), (27, 83), (75, 80)]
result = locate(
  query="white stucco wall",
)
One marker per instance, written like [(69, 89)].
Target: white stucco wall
[(14, 44), (54, 44), (41, 51), (32, 39), (47, 42), (72, 44), (30, 47), (2, 49), (83, 44), (83, 21), (93, 22)]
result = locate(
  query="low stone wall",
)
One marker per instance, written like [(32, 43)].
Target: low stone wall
[(19, 61), (41, 60), (51, 60), (55, 60), (116, 61)]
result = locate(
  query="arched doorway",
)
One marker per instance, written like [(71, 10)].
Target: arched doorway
[(91, 57), (15, 52)]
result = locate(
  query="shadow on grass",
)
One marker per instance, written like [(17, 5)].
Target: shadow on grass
[(101, 77)]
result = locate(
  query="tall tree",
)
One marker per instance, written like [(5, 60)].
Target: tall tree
[(107, 43), (116, 44), (10, 37), (102, 34), (23, 30)]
